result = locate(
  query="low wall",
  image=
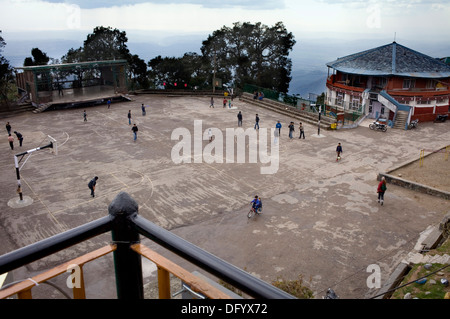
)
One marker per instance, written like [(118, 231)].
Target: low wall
[(395, 180)]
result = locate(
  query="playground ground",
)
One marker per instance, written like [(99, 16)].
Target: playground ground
[(321, 218)]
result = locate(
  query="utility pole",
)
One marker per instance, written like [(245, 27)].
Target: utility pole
[(318, 124), (214, 74)]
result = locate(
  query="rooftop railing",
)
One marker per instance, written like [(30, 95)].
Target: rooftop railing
[(126, 226)]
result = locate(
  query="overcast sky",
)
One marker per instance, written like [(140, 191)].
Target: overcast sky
[(373, 18)]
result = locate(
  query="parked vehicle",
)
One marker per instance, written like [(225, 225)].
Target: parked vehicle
[(441, 118), (378, 126), (413, 124)]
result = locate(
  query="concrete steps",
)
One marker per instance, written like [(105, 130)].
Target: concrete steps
[(41, 108), (12, 110), (400, 121), (285, 109)]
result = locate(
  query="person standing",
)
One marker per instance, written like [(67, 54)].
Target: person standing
[(143, 110), (19, 137), (302, 132), (210, 135), (381, 190), (239, 116), (257, 121), (276, 135), (11, 141), (8, 127), (85, 116), (92, 184), (60, 90), (129, 117), (211, 105), (338, 152), (135, 130), (291, 130), (278, 126), (109, 103)]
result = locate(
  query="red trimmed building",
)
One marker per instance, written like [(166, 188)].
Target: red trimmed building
[(391, 82)]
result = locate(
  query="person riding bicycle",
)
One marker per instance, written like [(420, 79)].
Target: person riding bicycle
[(257, 204)]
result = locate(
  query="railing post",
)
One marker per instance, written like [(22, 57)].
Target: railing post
[(127, 263)]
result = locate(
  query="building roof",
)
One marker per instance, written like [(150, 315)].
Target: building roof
[(392, 59), (88, 64)]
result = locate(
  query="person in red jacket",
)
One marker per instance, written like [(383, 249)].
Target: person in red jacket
[(381, 190)]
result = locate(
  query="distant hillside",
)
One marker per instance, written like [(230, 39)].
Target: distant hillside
[(309, 56), (305, 82)]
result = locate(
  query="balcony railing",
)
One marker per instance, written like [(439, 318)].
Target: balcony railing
[(126, 226)]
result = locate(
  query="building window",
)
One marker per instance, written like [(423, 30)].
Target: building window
[(340, 99), (379, 82), (409, 83), (431, 84), (356, 103)]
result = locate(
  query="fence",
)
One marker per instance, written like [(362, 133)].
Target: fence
[(126, 226)]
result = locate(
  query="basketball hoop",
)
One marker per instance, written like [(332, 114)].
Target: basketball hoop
[(18, 157)]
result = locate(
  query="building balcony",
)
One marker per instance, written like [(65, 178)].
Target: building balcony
[(334, 85), (126, 227)]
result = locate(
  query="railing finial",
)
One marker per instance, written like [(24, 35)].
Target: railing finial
[(123, 204)]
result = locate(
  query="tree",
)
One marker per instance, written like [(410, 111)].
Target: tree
[(138, 72), (251, 53), (38, 58), (105, 44), (6, 74), (170, 71)]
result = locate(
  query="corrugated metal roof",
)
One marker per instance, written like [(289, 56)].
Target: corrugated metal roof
[(73, 65), (392, 59)]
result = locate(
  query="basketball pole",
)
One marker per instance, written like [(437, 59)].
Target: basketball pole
[(16, 164)]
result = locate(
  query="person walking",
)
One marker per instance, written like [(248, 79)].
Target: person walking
[(129, 117), (302, 131), (135, 130), (8, 127), (338, 152), (143, 110), (11, 141), (239, 116), (211, 105), (257, 121), (92, 184), (291, 130), (381, 190), (85, 116), (109, 103), (19, 137)]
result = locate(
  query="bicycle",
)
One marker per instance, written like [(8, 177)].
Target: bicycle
[(254, 212)]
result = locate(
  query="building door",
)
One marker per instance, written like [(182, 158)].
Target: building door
[(376, 109)]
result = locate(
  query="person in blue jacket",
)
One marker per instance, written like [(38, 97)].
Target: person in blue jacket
[(278, 126), (257, 204)]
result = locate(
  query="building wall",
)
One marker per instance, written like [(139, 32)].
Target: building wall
[(427, 102)]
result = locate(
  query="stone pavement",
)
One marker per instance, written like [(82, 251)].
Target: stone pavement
[(321, 218)]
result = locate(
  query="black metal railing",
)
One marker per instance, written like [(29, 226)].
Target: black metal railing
[(126, 226)]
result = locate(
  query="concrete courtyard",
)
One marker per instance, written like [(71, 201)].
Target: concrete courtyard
[(320, 220)]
